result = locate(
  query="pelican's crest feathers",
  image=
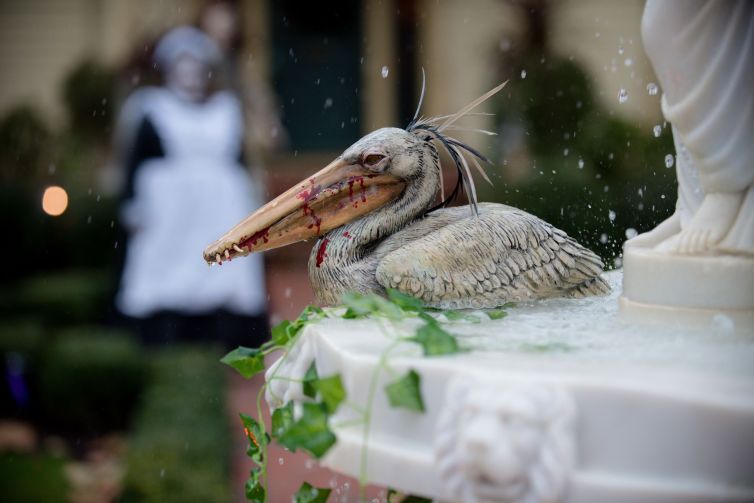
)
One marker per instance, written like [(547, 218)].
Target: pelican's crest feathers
[(432, 129)]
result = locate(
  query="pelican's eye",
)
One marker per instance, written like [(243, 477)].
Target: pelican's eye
[(372, 160)]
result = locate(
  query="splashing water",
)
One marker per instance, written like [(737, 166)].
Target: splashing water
[(657, 130), (523, 74), (622, 95), (581, 163), (652, 88), (611, 215), (669, 160), (385, 71)]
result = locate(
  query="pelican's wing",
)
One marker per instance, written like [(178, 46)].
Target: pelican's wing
[(452, 260)]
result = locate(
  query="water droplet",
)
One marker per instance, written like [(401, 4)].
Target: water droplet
[(669, 160), (385, 72), (281, 461), (628, 62), (565, 152), (309, 464), (581, 163), (162, 473), (657, 130), (611, 215), (622, 95), (652, 88), (603, 238), (523, 74), (631, 233), (328, 103), (620, 50)]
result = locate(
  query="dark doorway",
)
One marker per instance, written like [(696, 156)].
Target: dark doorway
[(316, 71)]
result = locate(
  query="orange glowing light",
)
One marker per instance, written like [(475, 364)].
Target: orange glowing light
[(55, 201)]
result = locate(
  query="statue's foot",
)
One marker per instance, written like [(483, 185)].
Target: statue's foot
[(709, 225), (650, 239)]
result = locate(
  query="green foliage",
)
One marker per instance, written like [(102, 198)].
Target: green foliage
[(496, 314), (88, 93), (360, 305), (32, 478), (284, 332), (405, 392), (310, 433), (178, 450), (434, 339), (282, 419), (247, 361), (69, 297), (24, 140), (89, 381), (309, 494), (331, 392)]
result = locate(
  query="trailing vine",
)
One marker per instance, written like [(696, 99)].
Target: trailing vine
[(308, 427)]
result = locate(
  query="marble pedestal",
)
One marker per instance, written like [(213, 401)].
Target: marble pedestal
[(563, 400)]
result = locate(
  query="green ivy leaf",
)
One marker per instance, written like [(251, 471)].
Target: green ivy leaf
[(405, 302), (254, 489), (309, 379), (309, 494), (453, 315), (359, 306), (331, 391), (311, 432), (282, 333), (285, 331), (257, 438), (434, 340), (496, 314), (247, 361), (282, 419), (405, 392)]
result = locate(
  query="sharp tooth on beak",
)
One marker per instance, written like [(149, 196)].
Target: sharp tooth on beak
[(239, 250), (227, 254)]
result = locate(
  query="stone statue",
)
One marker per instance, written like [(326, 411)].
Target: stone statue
[(703, 54)]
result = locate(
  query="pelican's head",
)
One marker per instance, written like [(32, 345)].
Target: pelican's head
[(371, 173), (368, 175)]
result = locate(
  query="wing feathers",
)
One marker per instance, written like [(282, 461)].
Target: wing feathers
[(502, 255)]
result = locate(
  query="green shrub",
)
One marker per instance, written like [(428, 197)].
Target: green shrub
[(587, 172), (68, 297), (179, 447), (89, 381), (36, 478)]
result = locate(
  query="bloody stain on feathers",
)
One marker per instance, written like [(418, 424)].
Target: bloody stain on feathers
[(322, 251)]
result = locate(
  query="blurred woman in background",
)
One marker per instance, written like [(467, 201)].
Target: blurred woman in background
[(185, 184)]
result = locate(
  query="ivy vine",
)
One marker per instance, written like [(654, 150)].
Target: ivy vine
[(309, 428)]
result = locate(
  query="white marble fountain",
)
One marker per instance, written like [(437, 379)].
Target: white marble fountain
[(644, 395)]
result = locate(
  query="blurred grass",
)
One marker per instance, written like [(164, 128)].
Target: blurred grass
[(178, 449), (32, 478)]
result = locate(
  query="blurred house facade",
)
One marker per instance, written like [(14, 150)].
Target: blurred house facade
[(372, 52)]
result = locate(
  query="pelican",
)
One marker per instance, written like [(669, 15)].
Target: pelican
[(373, 212)]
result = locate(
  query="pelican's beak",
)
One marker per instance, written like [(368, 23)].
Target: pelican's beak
[(336, 195)]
